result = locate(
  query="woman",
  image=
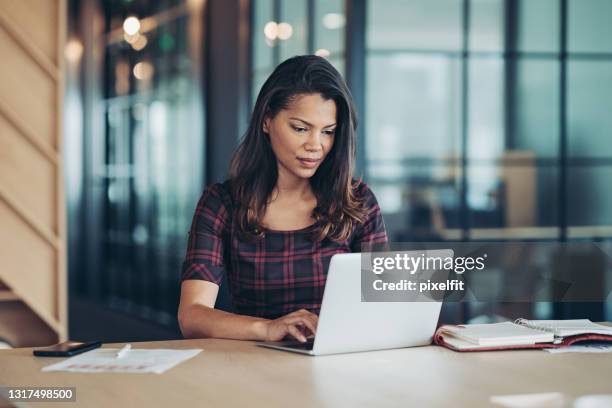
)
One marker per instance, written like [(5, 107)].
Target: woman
[(289, 205)]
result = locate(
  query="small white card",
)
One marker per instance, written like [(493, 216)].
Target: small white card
[(104, 360), (538, 400)]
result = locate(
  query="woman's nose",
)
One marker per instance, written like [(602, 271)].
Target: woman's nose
[(314, 141)]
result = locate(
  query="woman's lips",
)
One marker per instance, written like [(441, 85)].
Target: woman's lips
[(308, 163)]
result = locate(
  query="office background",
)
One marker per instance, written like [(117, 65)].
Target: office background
[(479, 120)]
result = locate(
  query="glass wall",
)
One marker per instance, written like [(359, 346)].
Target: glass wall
[(282, 29), (413, 116), (484, 120), (484, 100), (492, 121), (152, 165)]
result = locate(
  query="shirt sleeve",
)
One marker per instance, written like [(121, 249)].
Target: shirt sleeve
[(370, 235), (204, 259)]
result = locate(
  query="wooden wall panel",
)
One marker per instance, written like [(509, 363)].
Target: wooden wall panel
[(27, 175), (19, 325), (26, 255), (27, 89), (36, 14), (33, 282)]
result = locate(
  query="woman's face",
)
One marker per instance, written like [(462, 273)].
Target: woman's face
[(302, 135)]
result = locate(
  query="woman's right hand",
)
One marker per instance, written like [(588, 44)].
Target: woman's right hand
[(292, 324)]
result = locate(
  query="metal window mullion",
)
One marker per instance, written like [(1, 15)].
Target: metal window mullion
[(310, 26), (511, 11), (562, 198), (464, 212), (355, 49), (276, 16)]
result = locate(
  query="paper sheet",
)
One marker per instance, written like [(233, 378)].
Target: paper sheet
[(603, 347), (103, 360), (539, 400)]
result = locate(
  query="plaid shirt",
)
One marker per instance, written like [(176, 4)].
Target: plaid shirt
[(283, 272)]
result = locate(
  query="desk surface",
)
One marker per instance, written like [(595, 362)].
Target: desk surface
[(235, 373)]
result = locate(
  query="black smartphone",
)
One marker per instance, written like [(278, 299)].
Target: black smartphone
[(66, 349)]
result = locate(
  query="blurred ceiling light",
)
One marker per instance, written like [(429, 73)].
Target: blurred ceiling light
[(73, 50), (322, 52), (140, 43), (131, 25), (143, 71), (333, 21), (271, 30), (131, 38), (285, 31)]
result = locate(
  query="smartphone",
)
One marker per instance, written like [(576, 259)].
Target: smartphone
[(66, 349)]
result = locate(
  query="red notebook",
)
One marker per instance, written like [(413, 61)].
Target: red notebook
[(520, 334)]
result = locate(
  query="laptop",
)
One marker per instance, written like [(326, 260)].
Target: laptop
[(347, 324)]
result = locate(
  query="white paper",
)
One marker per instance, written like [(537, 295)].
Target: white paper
[(565, 328), (604, 347), (104, 360), (539, 400)]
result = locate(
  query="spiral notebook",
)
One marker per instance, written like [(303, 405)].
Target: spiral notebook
[(520, 334)]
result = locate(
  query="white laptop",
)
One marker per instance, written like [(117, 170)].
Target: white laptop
[(348, 324)]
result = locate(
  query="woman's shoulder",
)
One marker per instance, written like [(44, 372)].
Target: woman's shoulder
[(221, 190), (217, 195), (371, 230), (364, 193)]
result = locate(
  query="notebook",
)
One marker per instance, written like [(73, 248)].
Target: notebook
[(520, 334)]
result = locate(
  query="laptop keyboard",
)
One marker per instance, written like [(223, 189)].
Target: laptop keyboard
[(300, 346)]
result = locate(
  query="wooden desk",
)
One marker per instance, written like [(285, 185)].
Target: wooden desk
[(239, 374)]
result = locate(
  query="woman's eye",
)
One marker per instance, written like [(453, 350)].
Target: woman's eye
[(299, 129), (329, 132)]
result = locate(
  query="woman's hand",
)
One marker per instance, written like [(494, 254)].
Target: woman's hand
[(294, 324)]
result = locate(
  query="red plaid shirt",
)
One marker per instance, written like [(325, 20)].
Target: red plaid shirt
[(283, 272)]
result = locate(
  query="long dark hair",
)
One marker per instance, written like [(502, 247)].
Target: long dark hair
[(253, 170)]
